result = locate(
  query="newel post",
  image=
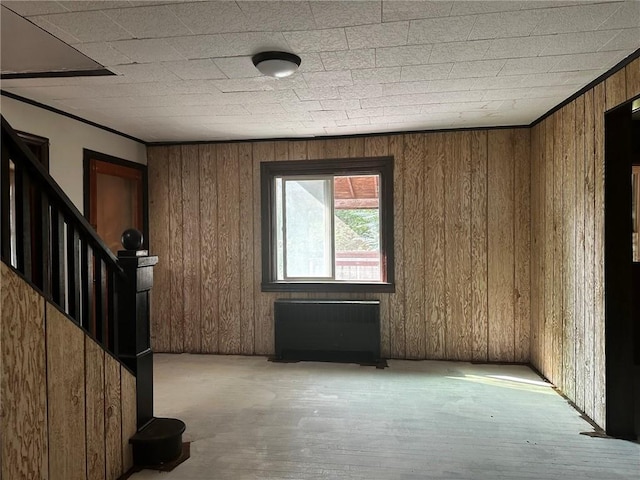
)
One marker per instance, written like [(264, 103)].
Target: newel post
[(134, 338)]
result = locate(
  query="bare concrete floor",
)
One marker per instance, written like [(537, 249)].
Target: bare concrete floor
[(253, 419)]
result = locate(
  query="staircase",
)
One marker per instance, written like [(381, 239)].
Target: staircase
[(84, 290)]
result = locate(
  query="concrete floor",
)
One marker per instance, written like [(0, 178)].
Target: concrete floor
[(253, 419)]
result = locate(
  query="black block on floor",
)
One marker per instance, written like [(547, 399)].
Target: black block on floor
[(159, 442)]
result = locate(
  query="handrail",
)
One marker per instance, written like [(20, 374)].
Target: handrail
[(45, 238), (52, 185)]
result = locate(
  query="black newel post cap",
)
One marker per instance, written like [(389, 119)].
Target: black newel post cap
[(132, 240)]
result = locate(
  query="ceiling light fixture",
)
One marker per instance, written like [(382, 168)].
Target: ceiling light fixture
[(276, 64)]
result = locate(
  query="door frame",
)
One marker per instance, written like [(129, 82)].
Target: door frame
[(87, 156)]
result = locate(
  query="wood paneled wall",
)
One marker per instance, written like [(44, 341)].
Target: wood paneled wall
[(461, 207), (59, 403), (567, 234)]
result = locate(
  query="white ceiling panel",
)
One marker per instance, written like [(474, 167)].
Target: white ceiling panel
[(394, 10), (184, 70), (380, 35), (346, 13), (440, 30)]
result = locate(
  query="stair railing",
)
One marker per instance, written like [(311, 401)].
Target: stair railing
[(47, 240)]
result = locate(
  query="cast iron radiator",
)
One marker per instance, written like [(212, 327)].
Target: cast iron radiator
[(347, 330)]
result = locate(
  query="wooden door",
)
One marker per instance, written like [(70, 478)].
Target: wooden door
[(115, 197)]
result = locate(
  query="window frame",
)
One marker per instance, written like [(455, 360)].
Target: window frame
[(382, 166)]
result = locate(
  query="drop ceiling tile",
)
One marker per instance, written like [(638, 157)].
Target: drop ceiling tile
[(417, 73), (265, 108), (378, 35), (310, 62), (476, 6), (627, 39), (404, 110), (588, 61), (340, 104), (278, 16), (211, 17), (394, 10), (481, 68), (405, 55), (321, 115), (328, 79), (353, 121), (195, 69), (530, 65), (366, 112), (376, 75), (149, 22), (459, 51), (345, 13), (256, 84), (405, 88), (627, 16), (360, 91), (422, 99), (518, 47), (57, 32), (574, 19), (103, 53), (562, 91), (144, 72), (301, 106), (77, 6), (348, 60), (27, 9), (580, 42), (440, 30), (92, 26), (227, 44), (505, 24), (449, 85), (147, 51), (237, 67), (497, 83), (316, 40), (318, 93)]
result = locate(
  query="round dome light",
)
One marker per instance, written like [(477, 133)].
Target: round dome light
[(276, 64)]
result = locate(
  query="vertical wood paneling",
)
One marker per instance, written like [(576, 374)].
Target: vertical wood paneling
[(397, 302), (501, 245), (112, 418), (378, 147), (558, 291), (65, 397), (158, 178), (535, 245), (229, 247), (441, 305), (176, 317), (522, 243), (599, 382), (579, 246), (209, 278), (589, 253), (23, 422), (568, 247), (479, 308), (616, 89), (245, 164), (549, 247), (129, 417), (414, 245), (458, 326), (94, 404), (191, 248), (433, 289), (632, 74), (262, 152)]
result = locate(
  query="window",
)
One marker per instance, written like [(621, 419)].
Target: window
[(327, 225)]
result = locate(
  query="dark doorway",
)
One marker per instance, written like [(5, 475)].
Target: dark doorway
[(115, 196), (622, 290)]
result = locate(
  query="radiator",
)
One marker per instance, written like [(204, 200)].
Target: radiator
[(344, 330)]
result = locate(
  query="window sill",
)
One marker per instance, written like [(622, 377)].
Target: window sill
[(321, 287)]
